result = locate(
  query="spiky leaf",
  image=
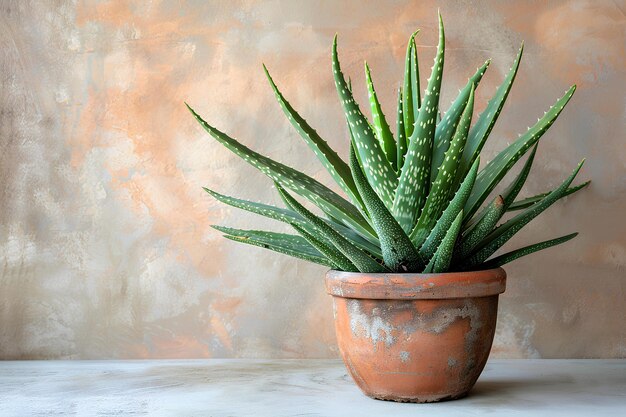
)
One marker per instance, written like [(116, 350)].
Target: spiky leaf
[(483, 227), (284, 240), (487, 119), (266, 210), (291, 217), (491, 175), (415, 177), (509, 194), (335, 166), (401, 142), (415, 80), (494, 240), (529, 201), (360, 259), (449, 214), (379, 171), (320, 195), (336, 257), (281, 249), (526, 250), (443, 256), (411, 85), (447, 126), (441, 188), (399, 253), (381, 127)]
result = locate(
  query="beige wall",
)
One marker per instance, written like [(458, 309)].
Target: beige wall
[(105, 244)]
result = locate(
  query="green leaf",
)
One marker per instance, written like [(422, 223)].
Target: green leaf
[(381, 127), (411, 85), (360, 259), (399, 253), (441, 188), (526, 250), (320, 195), (430, 266), (447, 126), (487, 119), (370, 246), (509, 194), (401, 142), (489, 177), (494, 240), (380, 173), (449, 214), (415, 81), (443, 256), (336, 257), (415, 177), (283, 240), (291, 217), (476, 234), (527, 202), (280, 249), (336, 167), (266, 210)]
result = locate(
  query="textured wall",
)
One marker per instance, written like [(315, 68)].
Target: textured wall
[(105, 244)]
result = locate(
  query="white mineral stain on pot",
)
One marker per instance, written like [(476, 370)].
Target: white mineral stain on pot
[(439, 320), (404, 356), (372, 327)]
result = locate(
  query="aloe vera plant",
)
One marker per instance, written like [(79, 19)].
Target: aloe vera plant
[(417, 200)]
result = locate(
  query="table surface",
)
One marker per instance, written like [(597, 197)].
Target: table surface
[(223, 387)]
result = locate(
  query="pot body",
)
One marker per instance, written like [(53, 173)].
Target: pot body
[(415, 337)]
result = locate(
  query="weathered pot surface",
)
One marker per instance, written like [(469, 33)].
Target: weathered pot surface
[(415, 337)]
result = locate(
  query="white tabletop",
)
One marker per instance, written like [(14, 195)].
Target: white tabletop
[(296, 388)]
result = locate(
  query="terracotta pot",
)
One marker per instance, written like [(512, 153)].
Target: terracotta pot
[(415, 337)]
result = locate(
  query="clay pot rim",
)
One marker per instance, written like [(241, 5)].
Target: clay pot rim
[(415, 286)]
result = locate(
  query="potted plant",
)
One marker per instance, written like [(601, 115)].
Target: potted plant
[(413, 277)]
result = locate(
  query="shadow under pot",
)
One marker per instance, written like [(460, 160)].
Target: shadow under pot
[(415, 337)]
